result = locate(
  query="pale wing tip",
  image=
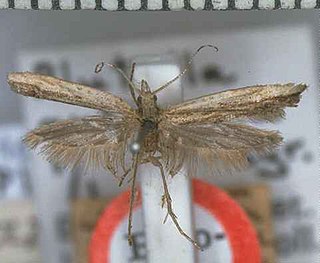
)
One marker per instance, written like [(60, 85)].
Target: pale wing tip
[(13, 79), (300, 87), (19, 82), (18, 76), (291, 89)]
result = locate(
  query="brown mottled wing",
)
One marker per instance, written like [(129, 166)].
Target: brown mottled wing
[(203, 132), (262, 102), (91, 142), (51, 88)]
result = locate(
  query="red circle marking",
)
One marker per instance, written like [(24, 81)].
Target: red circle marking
[(238, 228)]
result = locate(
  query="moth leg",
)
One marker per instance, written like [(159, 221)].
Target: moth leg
[(163, 202), (141, 161), (168, 201), (114, 173), (132, 197), (124, 176)]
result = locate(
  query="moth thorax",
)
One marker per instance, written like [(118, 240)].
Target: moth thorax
[(148, 108)]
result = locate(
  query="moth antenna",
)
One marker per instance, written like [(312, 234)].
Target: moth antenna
[(187, 67), (101, 65), (133, 95)]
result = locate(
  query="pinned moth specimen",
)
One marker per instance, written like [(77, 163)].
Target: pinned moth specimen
[(208, 131)]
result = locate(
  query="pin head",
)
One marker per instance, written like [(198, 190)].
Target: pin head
[(135, 148)]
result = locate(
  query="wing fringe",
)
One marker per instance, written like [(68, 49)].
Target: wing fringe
[(199, 156), (90, 148)]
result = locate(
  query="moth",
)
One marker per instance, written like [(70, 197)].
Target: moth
[(212, 131)]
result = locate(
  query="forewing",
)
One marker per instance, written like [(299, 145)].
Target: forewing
[(51, 88), (212, 148), (91, 142), (262, 102)]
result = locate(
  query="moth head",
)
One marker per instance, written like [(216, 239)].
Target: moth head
[(145, 87), (146, 97)]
